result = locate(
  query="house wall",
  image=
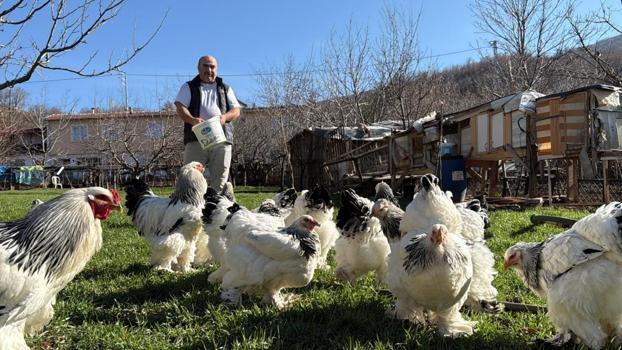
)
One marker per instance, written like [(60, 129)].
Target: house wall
[(88, 150)]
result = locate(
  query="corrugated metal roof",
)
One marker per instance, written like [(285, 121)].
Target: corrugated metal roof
[(99, 115), (581, 89)]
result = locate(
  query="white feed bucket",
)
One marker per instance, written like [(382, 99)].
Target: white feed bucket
[(209, 133)]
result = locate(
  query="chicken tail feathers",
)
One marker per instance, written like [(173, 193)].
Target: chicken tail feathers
[(353, 207), (136, 191), (287, 198), (318, 195), (480, 207), (269, 207)]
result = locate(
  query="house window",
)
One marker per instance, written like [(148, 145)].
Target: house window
[(155, 130), (110, 133), (78, 133)]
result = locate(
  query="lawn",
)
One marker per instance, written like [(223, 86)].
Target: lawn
[(118, 302)]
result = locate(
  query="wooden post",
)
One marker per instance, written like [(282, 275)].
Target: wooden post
[(532, 156), (550, 187), (573, 181), (493, 176), (391, 161), (357, 167), (605, 183)]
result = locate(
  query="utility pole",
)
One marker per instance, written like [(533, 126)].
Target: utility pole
[(493, 44), (124, 84)]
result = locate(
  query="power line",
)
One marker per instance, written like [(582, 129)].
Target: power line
[(153, 75)]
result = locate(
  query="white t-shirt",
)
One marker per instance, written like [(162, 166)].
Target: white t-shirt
[(209, 99)]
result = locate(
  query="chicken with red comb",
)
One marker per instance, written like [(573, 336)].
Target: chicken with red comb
[(41, 253)]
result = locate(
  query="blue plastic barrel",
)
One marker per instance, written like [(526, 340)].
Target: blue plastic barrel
[(453, 177)]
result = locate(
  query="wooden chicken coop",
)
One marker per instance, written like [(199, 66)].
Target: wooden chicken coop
[(494, 136), (397, 157), (579, 140), (350, 152)]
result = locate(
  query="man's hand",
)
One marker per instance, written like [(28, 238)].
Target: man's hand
[(196, 121), (223, 120)]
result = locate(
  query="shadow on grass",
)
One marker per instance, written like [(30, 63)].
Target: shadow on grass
[(340, 325), (522, 231), (338, 321), (135, 269), (159, 286)]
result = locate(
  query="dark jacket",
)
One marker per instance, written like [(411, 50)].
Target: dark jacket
[(195, 107)]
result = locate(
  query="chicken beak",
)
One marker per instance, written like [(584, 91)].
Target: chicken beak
[(117, 207), (506, 263)]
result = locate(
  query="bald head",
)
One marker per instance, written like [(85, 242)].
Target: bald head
[(208, 69)]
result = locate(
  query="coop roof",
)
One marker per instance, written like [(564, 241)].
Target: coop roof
[(584, 88), (367, 133), (524, 101)]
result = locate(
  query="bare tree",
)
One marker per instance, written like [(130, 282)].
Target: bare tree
[(8, 127), (289, 96), (526, 36), (346, 76), (65, 26), (255, 143), (138, 143), (12, 101), (599, 58), (405, 82), (35, 138)]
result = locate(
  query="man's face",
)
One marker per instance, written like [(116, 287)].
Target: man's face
[(208, 69)]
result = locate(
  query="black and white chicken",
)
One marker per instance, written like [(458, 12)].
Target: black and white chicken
[(430, 271), (431, 206), (386, 209), (362, 247), (384, 191), (262, 259), (210, 244), (579, 274), (282, 204), (219, 212), (172, 225), (41, 253), (317, 203)]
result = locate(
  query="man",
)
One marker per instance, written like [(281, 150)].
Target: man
[(204, 97)]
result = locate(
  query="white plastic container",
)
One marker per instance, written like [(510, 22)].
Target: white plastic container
[(209, 133)]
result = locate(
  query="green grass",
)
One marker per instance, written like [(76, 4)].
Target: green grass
[(117, 302)]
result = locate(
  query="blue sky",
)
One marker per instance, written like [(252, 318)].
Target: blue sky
[(245, 36)]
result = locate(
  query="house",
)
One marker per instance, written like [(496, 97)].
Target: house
[(95, 147)]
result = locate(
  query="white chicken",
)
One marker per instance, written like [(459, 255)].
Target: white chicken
[(431, 271), (210, 244), (431, 206), (219, 211), (317, 203), (362, 247), (600, 229), (172, 225), (554, 269), (41, 253), (262, 260)]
